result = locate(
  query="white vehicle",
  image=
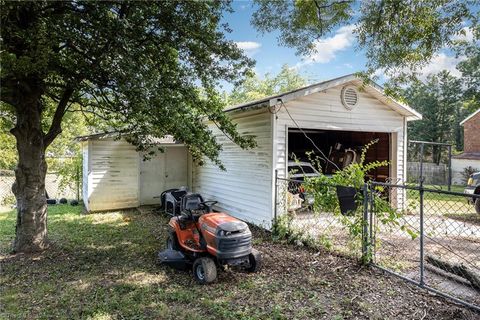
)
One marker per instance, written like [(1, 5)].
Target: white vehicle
[(300, 170)]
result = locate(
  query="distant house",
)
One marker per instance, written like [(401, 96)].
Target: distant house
[(471, 147), (342, 113)]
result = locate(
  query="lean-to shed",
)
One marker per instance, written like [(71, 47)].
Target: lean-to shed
[(115, 176)]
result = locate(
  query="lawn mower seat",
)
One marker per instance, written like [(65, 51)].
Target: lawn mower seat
[(191, 205), (192, 202)]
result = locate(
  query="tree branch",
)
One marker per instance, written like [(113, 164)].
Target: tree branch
[(457, 269), (55, 127), (83, 112)]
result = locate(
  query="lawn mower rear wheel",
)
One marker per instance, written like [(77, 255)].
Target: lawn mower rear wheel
[(172, 241)]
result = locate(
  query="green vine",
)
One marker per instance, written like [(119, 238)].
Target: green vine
[(323, 189)]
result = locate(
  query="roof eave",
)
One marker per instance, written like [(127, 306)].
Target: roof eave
[(409, 113), (165, 141), (469, 117), (293, 94), (373, 88)]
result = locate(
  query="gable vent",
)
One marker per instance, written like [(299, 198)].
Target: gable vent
[(349, 97)]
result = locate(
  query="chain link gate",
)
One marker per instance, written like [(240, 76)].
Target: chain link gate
[(435, 244)]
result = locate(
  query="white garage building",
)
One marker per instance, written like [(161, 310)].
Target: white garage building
[(342, 111)]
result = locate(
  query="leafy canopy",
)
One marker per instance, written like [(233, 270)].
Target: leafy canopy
[(437, 99), (64, 146), (7, 143), (444, 101), (143, 68), (256, 88), (470, 69), (399, 37)]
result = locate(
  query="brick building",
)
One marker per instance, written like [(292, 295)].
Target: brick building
[(471, 131), (471, 150)]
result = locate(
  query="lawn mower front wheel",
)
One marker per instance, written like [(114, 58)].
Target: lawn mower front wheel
[(204, 270), (255, 260)]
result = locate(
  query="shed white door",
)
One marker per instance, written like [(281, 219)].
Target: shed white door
[(152, 179), (165, 171), (176, 167)]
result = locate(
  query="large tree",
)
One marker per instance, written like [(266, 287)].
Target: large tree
[(440, 100), (255, 87), (398, 37), (470, 69), (146, 68)]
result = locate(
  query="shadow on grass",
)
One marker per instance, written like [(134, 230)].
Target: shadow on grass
[(95, 263), (103, 266)]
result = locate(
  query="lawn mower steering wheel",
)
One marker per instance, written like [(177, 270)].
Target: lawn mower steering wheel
[(208, 204)]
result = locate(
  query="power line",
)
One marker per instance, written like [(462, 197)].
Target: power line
[(304, 133)]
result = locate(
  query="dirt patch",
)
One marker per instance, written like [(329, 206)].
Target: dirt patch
[(363, 292)]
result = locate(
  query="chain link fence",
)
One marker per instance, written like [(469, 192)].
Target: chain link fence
[(436, 243), (6, 195), (307, 225), (426, 236), (56, 185), (430, 162)]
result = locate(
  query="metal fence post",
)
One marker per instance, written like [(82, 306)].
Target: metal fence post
[(371, 222), (422, 257), (365, 245), (78, 182), (422, 150), (449, 168), (275, 198)]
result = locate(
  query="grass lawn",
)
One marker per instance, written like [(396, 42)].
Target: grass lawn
[(455, 206), (102, 266)]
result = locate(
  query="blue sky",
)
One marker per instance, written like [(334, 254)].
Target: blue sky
[(336, 55), (341, 60)]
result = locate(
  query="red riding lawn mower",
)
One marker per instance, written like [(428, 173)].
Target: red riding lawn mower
[(206, 240)]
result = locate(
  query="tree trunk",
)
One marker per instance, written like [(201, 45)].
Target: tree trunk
[(29, 187)]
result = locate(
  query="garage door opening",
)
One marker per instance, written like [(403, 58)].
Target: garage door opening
[(341, 148)]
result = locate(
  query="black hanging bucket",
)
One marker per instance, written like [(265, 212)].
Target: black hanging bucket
[(346, 199)]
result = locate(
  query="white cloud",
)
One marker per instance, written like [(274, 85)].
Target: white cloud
[(250, 47), (438, 63), (441, 62), (326, 49), (467, 36)]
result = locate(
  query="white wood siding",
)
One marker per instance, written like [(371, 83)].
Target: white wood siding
[(244, 190), (113, 179), (152, 179), (85, 168), (324, 110)]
